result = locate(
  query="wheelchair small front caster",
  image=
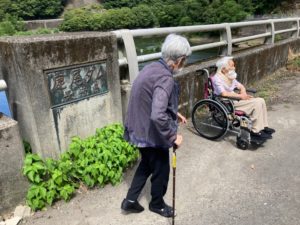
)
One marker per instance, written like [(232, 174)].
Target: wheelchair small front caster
[(242, 144)]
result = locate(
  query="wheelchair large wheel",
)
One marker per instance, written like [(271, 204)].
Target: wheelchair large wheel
[(210, 119), (228, 104)]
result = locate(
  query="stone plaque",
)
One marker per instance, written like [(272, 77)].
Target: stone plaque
[(75, 83)]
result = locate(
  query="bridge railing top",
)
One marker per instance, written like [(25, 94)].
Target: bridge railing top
[(167, 30), (129, 56)]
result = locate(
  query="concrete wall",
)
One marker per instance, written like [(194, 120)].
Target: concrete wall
[(80, 3), (251, 65), (25, 64), (13, 186), (35, 24)]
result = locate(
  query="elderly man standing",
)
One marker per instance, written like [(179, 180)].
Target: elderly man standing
[(224, 83), (151, 124)]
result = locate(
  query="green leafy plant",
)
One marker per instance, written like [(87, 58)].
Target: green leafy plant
[(97, 160), (10, 25), (27, 147), (34, 168)]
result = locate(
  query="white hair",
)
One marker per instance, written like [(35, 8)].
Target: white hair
[(174, 47), (223, 62)]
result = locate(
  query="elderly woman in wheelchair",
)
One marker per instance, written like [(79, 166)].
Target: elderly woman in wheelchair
[(228, 106)]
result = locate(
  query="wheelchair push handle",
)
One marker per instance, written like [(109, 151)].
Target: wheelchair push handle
[(206, 72)]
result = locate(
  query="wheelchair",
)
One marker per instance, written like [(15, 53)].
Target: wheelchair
[(214, 116)]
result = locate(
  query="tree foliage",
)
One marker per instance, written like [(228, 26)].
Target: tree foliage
[(119, 14), (10, 25), (31, 9), (195, 10), (220, 11), (267, 6), (91, 20), (249, 6), (143, 14), (37, 9), (5, 5)]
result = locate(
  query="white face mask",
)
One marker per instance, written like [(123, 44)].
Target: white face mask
[(179, 70), (232, 74)]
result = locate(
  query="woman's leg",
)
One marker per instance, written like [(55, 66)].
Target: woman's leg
[(256, 109)]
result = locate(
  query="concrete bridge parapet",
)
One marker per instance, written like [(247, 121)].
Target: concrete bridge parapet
[(13, 186), (60, 86)]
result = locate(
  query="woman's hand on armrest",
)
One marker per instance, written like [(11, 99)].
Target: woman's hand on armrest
[(182, 118), (236, 96)]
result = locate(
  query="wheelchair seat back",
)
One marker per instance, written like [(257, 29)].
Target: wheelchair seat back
[(209, 88)]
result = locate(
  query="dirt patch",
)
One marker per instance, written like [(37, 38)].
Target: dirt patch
[(281, 86)]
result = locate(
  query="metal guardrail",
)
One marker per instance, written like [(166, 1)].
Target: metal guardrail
[(129, 55)]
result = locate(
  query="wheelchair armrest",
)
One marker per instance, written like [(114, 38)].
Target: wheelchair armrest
[(230, 98), (251, 90)]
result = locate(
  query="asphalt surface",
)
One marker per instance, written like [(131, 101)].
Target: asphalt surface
[(217, 184)]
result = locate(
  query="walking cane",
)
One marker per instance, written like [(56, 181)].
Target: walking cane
[(174, 178)]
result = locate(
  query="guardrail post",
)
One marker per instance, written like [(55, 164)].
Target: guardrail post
[(295, 34), (270, 28), (298, 28), (226, 35), (130, 53)]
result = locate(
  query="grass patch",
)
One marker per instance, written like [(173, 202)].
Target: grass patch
[(269, 86), (294, 64)]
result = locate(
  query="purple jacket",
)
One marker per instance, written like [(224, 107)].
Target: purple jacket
[(152, 109)]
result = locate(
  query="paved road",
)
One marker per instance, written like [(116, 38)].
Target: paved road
[(217, 184)]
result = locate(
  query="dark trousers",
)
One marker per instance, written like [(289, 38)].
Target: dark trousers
[(156, 162)]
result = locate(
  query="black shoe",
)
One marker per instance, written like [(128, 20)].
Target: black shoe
[(166, 211), (261, 135), (267, 134), (132, 207), (256, 141), (269, 130)]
